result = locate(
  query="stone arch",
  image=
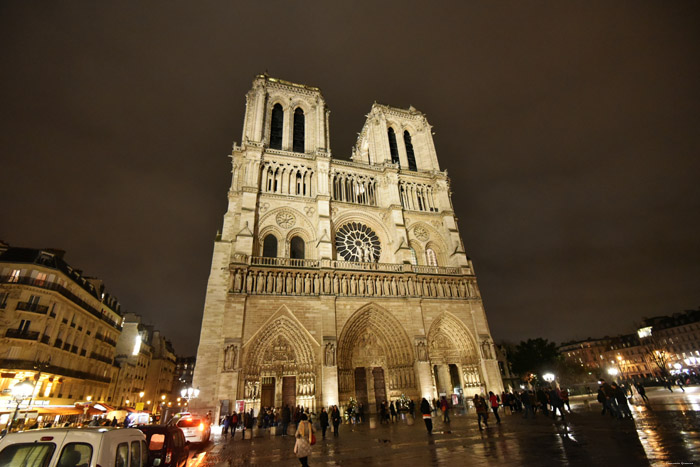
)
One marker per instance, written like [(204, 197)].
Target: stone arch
[(279, 346), (418, 249), (452, 347), (310, 252), (389, 331), (264, 232), (449, 339), (439, 252)]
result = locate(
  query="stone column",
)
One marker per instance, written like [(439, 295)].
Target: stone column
[(444, 380), (424, 379)]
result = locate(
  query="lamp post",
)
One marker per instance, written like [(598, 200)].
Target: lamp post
[(188, 394), (612, 371), (549, 377), (20, 392)]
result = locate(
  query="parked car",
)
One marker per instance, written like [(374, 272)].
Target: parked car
[(195, 428), (167, 446), (75, 447)]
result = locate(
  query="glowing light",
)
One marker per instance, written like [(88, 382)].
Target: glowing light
[(137, 345), (549, 377), (613, 371), (644, 332)]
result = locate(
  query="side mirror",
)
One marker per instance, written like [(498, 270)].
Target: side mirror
[(156, 462)]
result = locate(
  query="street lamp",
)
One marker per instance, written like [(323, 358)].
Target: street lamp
[(612, 371), (189, 393), (20, 392), (549, 377)]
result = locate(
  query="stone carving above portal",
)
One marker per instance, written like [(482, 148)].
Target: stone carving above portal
[(285, 219)]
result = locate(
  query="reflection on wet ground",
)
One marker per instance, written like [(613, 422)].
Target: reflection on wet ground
[(665, 431)]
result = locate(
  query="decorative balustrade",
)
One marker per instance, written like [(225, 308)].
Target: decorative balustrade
[(22, 334), (33, 307), (348, 265), (382, 281)]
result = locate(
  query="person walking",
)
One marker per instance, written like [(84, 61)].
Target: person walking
[(392, 411), (527, 400), (557, 404), (324, 421), (226, 423), (642, 392), (493, 399), (304, 437), (335, 418), (565, 397), (427, 410), (482, 410), (609, 401), (621, 399), (445, 407)]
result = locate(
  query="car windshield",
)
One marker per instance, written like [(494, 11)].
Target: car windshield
[(189, 422), (27, 455)]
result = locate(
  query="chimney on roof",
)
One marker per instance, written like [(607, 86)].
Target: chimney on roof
[(56, 252)]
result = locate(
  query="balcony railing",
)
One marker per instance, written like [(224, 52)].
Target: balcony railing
[(22, 334), (62, 291), (45, 339), (96, 356), (33, 307), (58, 343), (56, 370), (353, 266), (110, 342)]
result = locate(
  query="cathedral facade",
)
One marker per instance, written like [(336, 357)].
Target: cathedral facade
[(335, 279)]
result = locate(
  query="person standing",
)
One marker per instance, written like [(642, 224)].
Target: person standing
[(324, 421), (426, 410), (445, 408), (392, 411), (493, 398), (286, 417), (304, 435), (335, 418), (482, 411)]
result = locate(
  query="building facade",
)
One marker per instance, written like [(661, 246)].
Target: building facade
[(58, 329), (334, 279)]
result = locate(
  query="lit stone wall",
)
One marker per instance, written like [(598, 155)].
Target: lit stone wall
[(383, 302)]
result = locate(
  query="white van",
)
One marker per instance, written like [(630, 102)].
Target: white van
[(75, 447)]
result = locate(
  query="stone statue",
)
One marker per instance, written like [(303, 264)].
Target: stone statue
[(330, 354), (422, 352), (230, 354), (237, 281)]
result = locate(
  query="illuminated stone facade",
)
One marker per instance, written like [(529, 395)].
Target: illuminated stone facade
[(336, 279)]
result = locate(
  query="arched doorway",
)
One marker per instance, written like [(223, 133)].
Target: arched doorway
[(279, 367), (454, 358), (375, 359)]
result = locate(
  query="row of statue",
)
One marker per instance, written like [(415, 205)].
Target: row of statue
[(340, 283)]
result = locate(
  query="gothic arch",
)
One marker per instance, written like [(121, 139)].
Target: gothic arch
[(302, 223), (277, 233), (280, 346), (449, 341), (377, 322), (439, 252)]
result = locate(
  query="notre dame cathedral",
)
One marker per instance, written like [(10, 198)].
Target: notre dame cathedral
[(335, 279)]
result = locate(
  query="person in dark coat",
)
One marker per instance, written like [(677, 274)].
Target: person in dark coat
[(557, 403), (427, 411), (392, 411), (621, 399), (482, 410), (335, 418), (642, 392), (286, 417), (324, 421)]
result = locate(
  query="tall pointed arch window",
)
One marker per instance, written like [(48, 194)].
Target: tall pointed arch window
[(431, 257), (270, 246), (393, 148), (276, 124), (414, 258), (410, 155), (296, 248), (298, 137)]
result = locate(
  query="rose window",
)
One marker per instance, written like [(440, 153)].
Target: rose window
[(357, 242)]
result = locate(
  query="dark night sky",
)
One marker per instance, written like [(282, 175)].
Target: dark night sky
[(570, 132)]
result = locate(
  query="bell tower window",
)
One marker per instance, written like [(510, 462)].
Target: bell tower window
[(393, 148), (409, 151), (276, 124), (298, 139)]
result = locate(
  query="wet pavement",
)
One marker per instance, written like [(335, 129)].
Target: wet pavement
[(664, 432)]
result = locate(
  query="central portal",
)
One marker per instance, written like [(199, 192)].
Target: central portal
[(379, 387), (289, 391), (267, 394)]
